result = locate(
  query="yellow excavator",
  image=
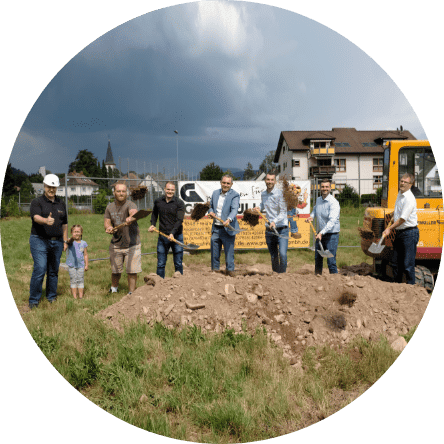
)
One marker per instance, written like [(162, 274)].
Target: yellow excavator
[(415, 157)]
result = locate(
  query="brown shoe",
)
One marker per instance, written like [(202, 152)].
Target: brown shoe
[(231, 274), (296, 235)]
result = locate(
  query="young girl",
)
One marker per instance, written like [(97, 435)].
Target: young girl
[(77, 260)]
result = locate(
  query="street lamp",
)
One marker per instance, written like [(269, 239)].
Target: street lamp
[(177, 147)]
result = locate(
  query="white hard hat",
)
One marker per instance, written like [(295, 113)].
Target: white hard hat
[(51, 180)]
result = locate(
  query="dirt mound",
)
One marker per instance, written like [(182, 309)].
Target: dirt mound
[(297, 309)]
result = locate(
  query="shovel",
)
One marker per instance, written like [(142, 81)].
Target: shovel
[(272, 230), (229, 226), (322, 252), (187, 247), (377, 248), (139, 215)]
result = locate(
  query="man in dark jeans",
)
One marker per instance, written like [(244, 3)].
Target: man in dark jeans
[(327, 211), (49, 234), (273, 203), (171, 212), (406, 229)]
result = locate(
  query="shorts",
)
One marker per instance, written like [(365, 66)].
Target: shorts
[(133, 257), (76, 276)]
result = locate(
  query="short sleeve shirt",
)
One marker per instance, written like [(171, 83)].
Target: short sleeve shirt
[(42, 206), (405, 208), (125, 237), (75, 254)]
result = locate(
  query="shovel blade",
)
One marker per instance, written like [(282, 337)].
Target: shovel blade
[(141, 214), (376, 248), (191, 247), (325, 253)]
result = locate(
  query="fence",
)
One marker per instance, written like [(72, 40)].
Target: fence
[(351, 192)]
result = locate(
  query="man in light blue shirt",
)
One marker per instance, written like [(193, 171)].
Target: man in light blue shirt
[(326, 211), (272, 202)]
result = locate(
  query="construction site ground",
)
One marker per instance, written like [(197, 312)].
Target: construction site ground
[(297, 309)]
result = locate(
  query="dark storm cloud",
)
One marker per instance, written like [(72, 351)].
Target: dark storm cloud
[(227, 76)]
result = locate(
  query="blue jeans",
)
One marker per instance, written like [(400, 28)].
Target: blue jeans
[(404, 254), (46, 255), (219, 238), (293, 224), (330, 242), (277, 246), (163, 245)]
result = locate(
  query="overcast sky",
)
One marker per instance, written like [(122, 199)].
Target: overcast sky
[(228, 76)]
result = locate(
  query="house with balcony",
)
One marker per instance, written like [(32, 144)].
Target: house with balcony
[(344, 155)]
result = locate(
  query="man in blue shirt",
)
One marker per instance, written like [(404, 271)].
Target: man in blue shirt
[(272, 202), (326, 211)]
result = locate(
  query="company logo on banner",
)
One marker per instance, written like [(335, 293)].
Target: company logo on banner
[(199, 232)]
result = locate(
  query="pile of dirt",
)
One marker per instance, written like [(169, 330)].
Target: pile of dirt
[(297, 309)]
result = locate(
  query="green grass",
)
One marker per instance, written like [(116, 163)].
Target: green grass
[(185, 384)]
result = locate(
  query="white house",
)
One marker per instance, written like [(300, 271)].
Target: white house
[(148, 181), (344, 155), (78, 185)]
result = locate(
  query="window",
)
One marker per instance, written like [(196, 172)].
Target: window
[(340, 144), (377, 182), (377, 165), (84, 189), (296, 163), (369, 144), (339, 186), (73, 189), (420, 161), (319, 144), (340, 165)]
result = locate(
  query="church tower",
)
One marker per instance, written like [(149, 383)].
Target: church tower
[(109, 161)]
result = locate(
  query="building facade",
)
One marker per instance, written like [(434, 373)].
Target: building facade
[(78, 185), (344, 155)]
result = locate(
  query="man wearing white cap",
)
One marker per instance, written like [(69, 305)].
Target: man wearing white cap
[(49, 234)]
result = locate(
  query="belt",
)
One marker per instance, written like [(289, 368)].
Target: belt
[(55, 238), (406, 229)]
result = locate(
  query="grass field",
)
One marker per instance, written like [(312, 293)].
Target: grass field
[(182, 383)]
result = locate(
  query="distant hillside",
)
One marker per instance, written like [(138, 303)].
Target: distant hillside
[(237, 172)]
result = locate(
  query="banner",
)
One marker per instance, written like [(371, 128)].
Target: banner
[(199, 232)]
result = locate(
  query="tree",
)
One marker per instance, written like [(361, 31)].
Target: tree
[(36, 178), (9, 182), (86, 162), (15, 179), (249, 172), (267, 164), (348, 197), (104, 170), (100, 202), (211, 172)]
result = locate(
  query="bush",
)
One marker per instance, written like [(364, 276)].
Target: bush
[(12, 208), (100, 202), (3, 208), (348, 197), (373, 198)]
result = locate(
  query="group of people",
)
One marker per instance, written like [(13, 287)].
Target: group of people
[(49, 233)]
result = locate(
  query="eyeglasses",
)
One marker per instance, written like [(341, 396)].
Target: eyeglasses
[(403, 181)]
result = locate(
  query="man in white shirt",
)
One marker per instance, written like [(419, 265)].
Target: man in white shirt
[(326, 211), (272, 202), (224, 204), (406, 229)]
